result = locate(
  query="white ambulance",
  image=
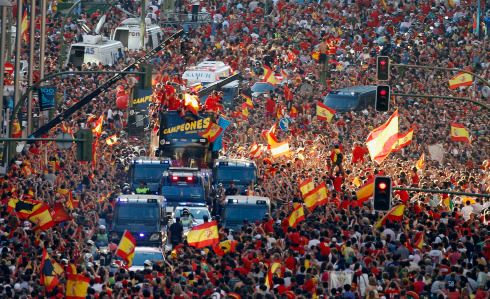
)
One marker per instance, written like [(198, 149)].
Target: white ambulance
[(207, 72), (129, 32)]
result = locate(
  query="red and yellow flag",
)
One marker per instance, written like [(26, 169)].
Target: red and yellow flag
[(76, 286), (203, 235), (418, 242), (316, 197), (323, 112), (97, 130), (126, 247), (296, 216), (212, 132), (460, 80), (48, 275), (25, 26), (269, 76), (111, 140), (191, 102), (42, 218), (306, 186), (256, 150), (381, 140), (274, 267), (459, 133), (421, 162), (16, 129), (365, 192), (403, 140), (280, 149), (23, 208), (270, 136), (395, 214), (288, 94), (245, 113), (224, 247)]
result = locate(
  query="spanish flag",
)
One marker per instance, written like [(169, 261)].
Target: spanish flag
[(42, 218), (48, 275), (459, 133), (280, 149), (191, 102), (203, 235), (316, 197), (306, 186), (395, 214), (16, 129), (270, 136), (269, 76), (248, 102), (418, 242), (212, 132), (224, 247), (256, 150), (60, 214), (25, 26), (97, 130), (111, 140), (421, 162), (22, 208), (323, 112), (403, 140), (381, 140), (274, 267), (365, 192), (296, 216), (76, 286), (460, 80), (125, 250)]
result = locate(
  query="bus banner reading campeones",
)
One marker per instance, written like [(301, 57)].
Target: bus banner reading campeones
[(200, 124)]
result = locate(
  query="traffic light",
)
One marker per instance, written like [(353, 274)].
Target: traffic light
[(84, 148), (382, 193), (383, 68), (145, 79), (382, 98)]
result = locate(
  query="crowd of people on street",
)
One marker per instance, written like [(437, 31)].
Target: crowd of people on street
[(337, 240)]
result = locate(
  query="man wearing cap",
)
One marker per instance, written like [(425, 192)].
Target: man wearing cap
[(186, 219)]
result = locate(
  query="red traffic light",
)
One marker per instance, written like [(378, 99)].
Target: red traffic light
[(382, 186), (382, 62), (382, 92)]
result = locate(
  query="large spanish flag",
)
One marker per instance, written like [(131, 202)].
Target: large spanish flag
[(24, 25), (380, 141), (316, 197), (126, 247), (76, 286), (296, 216), (460, 80), (270, 136), (403, 140), (42, 218), (395, 214), (23, 208), (203, 235), (459, 133), (323, 112), (365, 192), (280, 149), (269, 76), (274, 267), (212, 132), (306, 186)]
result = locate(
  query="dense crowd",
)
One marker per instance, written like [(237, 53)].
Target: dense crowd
[(339, 237)]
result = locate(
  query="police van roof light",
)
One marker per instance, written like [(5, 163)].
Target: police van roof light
[(123, 200)]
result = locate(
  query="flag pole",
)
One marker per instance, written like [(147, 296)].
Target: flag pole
[(18, 45), (32, 49)]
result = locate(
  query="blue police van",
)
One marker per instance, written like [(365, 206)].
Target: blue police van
[(241, 172), (354, 98), (149, 171), (182, 184)]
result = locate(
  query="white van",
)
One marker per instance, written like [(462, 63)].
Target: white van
[(95, 49), (128, 33), (207, 72)]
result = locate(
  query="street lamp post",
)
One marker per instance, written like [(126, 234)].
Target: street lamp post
[(32, 49), (4, 4)]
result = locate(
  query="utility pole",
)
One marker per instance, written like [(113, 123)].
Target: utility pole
[(32, 49), (18, 49), (143, 24), (43, 38)]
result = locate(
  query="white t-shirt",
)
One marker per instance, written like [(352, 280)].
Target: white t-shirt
[(467, 210)]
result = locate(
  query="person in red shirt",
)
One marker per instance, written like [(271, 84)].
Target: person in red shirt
[(358, 153), (212, 102)]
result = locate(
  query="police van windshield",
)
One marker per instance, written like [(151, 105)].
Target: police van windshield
[(250, 213), (137, 212), (186, 156), (149, 172), (235, 174)]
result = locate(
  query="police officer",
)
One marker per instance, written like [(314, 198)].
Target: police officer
[(186, 218), (142, 189), (175, 232)]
